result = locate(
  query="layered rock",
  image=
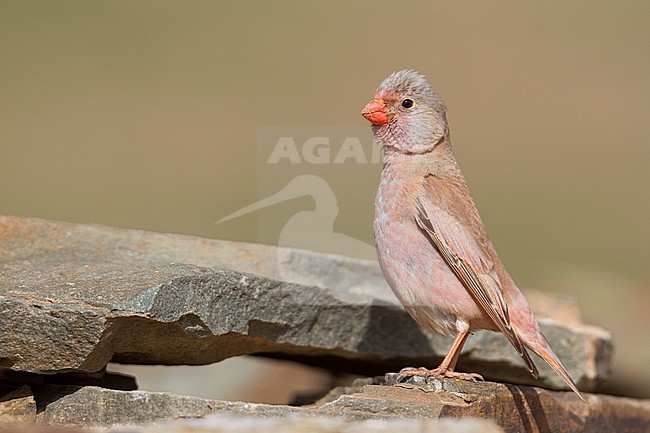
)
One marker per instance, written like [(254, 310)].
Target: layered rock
[(443, 405), (74, 297)]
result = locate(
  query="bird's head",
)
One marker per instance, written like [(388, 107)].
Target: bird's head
[(407, 114)]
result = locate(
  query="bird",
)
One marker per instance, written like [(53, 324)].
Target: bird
[(431, 244)]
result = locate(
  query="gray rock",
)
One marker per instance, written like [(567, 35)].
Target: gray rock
[(74, 297), (513, 408)]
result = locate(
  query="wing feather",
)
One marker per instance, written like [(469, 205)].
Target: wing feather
[(474, 269)]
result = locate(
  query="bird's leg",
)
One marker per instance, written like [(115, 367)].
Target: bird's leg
[(450, 361), (446, 367)]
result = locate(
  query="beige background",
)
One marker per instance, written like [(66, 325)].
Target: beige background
[(145, 115)]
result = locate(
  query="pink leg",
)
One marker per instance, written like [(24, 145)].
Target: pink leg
[(447, 366)]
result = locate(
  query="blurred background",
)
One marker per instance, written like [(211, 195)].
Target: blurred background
[(147, 115)]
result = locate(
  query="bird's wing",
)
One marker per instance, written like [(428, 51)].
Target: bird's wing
[(470, 261)]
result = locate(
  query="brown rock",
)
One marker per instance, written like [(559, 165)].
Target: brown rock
[(512, 408), (18, 407)]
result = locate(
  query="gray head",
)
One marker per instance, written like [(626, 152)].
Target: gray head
[(407, 114)]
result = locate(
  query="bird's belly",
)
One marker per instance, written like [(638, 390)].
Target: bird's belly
[(422, 280)]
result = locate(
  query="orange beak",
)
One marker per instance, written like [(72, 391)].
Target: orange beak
[(376, 112)]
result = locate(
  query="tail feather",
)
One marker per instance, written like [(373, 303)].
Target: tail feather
[(532, 368), (545, 352)]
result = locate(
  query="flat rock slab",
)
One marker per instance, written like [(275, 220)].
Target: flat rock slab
[(74, 297), (318, 424), (512, 408)]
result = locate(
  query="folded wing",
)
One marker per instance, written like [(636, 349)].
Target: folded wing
[(469, 261)]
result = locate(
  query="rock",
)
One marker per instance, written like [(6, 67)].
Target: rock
[(74, 297), (309, 424), (18, 407), (513, 408)]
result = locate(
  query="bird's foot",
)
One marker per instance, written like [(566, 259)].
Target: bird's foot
[(408, 372)]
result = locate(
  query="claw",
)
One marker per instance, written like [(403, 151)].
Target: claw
[(408, 372)]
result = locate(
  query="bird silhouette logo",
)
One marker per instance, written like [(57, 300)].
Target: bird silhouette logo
[(310, 229)]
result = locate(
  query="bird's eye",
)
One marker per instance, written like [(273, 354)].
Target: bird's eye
[(407, 103)]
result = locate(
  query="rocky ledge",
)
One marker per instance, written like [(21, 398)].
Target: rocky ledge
[(75, 297), (490, 407), (84, 295)]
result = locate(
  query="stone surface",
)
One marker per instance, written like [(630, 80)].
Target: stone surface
[(18, 406), (513, 408), (317, 424), (74, 297)]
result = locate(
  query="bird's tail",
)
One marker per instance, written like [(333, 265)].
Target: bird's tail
[(544, 351)]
